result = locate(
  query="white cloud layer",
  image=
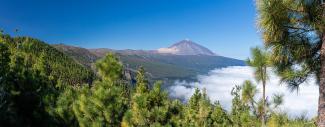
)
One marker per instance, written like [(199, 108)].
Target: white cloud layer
[(219, 83)]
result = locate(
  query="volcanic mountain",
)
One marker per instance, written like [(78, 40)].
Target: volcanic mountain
[(186, 47)]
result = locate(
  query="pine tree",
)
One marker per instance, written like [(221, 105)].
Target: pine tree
[(149, 107), (260, 62), (63, 110), (142, 85), (138, 112), (198, 110), (219, 116), (204, 110), (4, 60), (248, 93), (103, 105), (4, 68), (177, 113), (109, 68), (27, 94), (294, 31), (240, 113), (159, 106)]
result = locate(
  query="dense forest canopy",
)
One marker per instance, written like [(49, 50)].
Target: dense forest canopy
[(40, 86)]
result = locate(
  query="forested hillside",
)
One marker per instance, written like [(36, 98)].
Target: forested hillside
[(181, 67), (40, 86), (55, 64), (32, 74), (81, 55)]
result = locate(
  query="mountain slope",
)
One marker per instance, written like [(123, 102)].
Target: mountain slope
[(186, 47), (161, 66), (81, 55), (156, 68), (178, 66), (58, 66)]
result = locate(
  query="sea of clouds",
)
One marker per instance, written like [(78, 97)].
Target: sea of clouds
[(219, 83)]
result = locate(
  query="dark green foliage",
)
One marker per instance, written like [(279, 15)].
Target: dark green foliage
[(40, 86), (142, 85), (219, 116), (103, 104), (81, 55), (63, 109), (109, 68), (56, 65), (30, 74), (260, 61), (293, 29), (240, 112), (25, 95), (148, 107), (198, 111), (4, 58)]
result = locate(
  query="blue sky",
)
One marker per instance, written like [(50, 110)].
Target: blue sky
[(227, 27)]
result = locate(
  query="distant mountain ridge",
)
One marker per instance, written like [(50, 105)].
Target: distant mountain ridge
[(182, 60), (184, 47)]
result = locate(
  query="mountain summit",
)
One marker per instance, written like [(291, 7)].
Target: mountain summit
[(186, 47)]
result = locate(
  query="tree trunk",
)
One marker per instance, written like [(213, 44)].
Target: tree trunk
[(321, 100), (263, 112)]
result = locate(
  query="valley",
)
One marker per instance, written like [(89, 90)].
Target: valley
[(185, 62)]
